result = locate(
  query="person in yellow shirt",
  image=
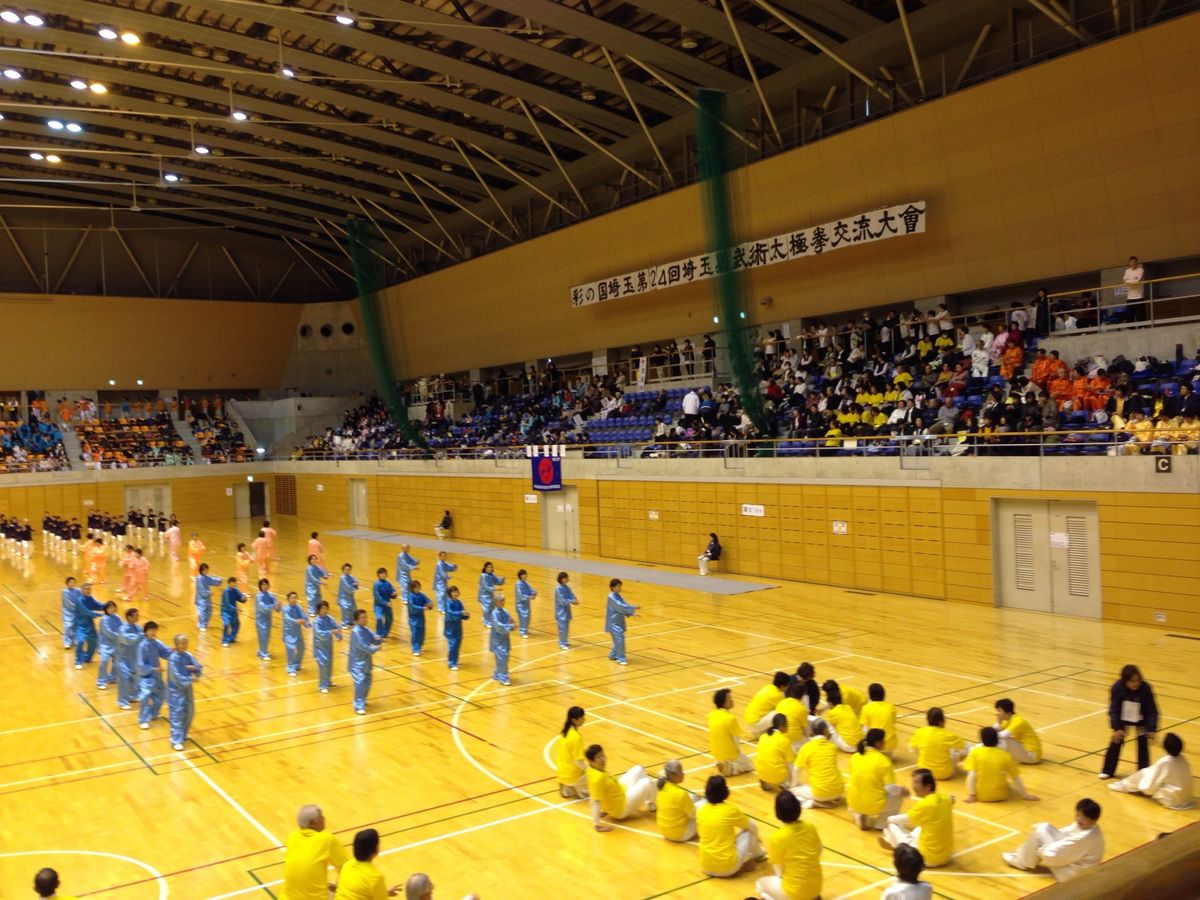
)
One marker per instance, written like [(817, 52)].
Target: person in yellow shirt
[(880, 714), (725, 737), (614, 798), (1017, 735), (359, 879), (873, 794), (846, 731), (989, 768), (938, 749), (728, 838), (794, 849), (794, 708), (761, 708), (928, 825), (45, 884), (310, 851), (826, 784), (676, 813), (851, 696), (568, 756), (773, 762)]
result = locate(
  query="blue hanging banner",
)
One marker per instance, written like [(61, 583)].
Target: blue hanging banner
[(547, 473)]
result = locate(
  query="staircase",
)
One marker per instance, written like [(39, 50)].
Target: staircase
[(185, 432), (72, 446)]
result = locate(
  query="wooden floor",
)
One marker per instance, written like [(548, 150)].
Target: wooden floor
[(453, 769)]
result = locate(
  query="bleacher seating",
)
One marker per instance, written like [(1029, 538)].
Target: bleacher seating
[(219, 441), (33, 446), (131, 442)]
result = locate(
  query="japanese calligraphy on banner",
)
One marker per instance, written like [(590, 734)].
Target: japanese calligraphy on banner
[(864, 228)]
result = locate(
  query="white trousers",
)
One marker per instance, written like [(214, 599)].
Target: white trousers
[(804, 793), (891, 807), (439, 531), (748, 848), (759, 728), (771, 888), (640, 790), (738, 766), (1029, 854), (897, 832), (1147, 781), (577, 789), (1017, 749), (703, 564)]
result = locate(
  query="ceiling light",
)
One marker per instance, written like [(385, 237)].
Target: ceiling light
[(201, 149), (1, 117), (130, 38), (509, 134), (107, 33), (446, 167), (53, 158), (9, 16), (286, 72), (238, 116), (55, 124), (139, 381), (34, 20), (171, 177), (12, 73), (112, 381), (97, 88), (344, 18), (36, 155), (79, 84), (588, 93), (687, 40), (74, 127)]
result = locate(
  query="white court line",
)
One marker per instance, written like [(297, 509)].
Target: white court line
[(40, 629), (1087, 715), (648, 734), (275, 842), (644, 709), (865, 888), (154, 873), (980, 846)]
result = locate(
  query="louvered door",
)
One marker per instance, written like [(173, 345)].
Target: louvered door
[(1047, 556), (1023, 564), (1075, 558)]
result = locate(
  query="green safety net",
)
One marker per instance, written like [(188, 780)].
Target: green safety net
[(720, 208), (370, 279)]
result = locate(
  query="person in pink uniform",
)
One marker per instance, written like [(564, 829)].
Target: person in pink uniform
[(262, 554), (141, 575), (270, 534), (127, 578), (317, 549), (174, 535)]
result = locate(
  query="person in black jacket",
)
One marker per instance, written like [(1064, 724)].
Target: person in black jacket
[(711, 552), (1131, 704)]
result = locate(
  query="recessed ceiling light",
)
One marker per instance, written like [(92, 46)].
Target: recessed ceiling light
[(12, 73), (171, 177), (34, 20), (55, 124), (9, 16), (446, 167), (287, 72), (112, 381), (588, 93), (201, 149), (53, 158), (1, 117), (97, 88), (107, 33), (74, 127), (238, 116), (344, 18), (139, 381), (36, 155), (79, 84), (130, 38)]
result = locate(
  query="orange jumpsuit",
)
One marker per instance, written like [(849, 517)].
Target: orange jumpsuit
[(195, 555)]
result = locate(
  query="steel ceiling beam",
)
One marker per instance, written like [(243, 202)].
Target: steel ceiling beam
[(703, 19)]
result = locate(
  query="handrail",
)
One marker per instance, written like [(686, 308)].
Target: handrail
[(1105, 287)]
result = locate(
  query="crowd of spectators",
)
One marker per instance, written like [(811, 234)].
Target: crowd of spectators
[(123, 443), (33, 446), (220, 440)]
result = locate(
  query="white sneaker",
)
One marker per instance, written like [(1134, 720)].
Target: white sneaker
[(1011, 859), (417, 653), (454, 668), (177, 747), (144, 726), (265, 658), (102, 687), (361, 712), (525, 636), (621, 662), (1102, 776), (324, 690), (564, 646), (123, 706), (203, 630), (292, 674), (78, 666)]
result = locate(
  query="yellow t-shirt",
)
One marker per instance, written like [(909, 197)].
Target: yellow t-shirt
[(717, 825), (606, 791), (1020, 729), (869, 773), (933, 745), (797, 716), (880, 714), (774, 754), (934, 815), (723, 734), (844, 721), (992, 767), (796, 848), (308, 856), (566, 755), (819, 756), (853, 698), (360, 881), (676, 808), (762, 703)]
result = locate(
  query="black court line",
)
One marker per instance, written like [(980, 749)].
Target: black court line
[(204, 751), (28, 641), (111, 728)]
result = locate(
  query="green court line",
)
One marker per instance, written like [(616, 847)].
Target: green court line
[(680, 888), (132, 749), (28, 641)]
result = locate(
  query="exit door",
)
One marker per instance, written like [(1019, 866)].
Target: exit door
[(560, 519), (258, 499), (1047, 556), (359, 511)]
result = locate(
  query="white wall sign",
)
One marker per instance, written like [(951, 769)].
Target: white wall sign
[(840, 526), (531, 498), (320, 488), (228, 492), (860, 228), (753, 509), (1060, 540), (652, 515)]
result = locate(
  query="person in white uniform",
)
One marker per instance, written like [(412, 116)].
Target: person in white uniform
[(1067, 851), (908, 884), (1169, 781)]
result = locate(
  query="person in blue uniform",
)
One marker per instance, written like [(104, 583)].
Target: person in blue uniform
[(265, 606), (384, 593), (614, 620), (441, 578), (314, 574), (129, 639), (152, 654), (405, 563), (417, 604), (525, 595), (87, 610), (294, 618), (182, 670), (363, 645), (324, 628), (204, 585), (231, 621), (108, 627), (564, 599), (452, 626), (347, 585), (499, 641), (70, 599), (488, 582)]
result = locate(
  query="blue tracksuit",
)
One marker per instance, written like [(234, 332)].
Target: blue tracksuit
[(614, 623), (182, 670), (452, 628), (231, 622), (384, 593), (417, 604), (87, 610), (294, 620), (564, 599), (324, 628), (129, 639), (488, 582), (204, 586), (265, 605), (499, 642), (405, 563), (441, 579), (313, 576), (347, 585), (525, 594), (362, 645), (109, 626), (150, 680), (70, 600)]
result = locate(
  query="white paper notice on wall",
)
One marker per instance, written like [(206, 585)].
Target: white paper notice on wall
[(652, 515), (753, 509), (228, 492), (320, 487), (1060, 540), (531, 498), (841, 526)]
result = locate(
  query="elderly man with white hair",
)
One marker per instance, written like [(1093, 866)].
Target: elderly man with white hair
[(310, 851), (420, 887)]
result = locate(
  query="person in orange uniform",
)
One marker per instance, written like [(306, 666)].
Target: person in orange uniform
[(127, 574), (310, 851), (141, 575), (196, 550), (241, 562), (97, 561), (262, 554), (270, 534)]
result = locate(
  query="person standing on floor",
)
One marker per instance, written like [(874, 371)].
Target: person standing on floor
[(231, 621), (564, 599), (108, 626), (1131, 705), (265, 606), (499, 641), (315, 548), (363, 645), (309, 853), (270, 534), (241, 565), (141, 575), (441, 578), (384, 592), (262, 554), (614, 620), (452, 626), (204, 585), (70, 600), (324, 628), (129, 639), (182, 670), (347, 586), (293, 619), (152, 655), (417, 603), (525, 595), (405, 563), (87, 610), (314, 574), (488, 582), (711, 553), (196, 550)]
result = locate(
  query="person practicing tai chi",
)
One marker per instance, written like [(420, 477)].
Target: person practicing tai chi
[(873, 795), (70, 599), (314, 574), (728, 837), (908, 884), (108, 626), (1168, 781), (417, 603), (294, 619), (87, 610), (488, 582), (569, 760), (1017, 735), (324, 630), (1131, 705), (271, 535), (500, 641), (773, 762), (441, 578), (819, 757), (1064, 851), (231, 621), (129, 638), (262, 554), (676, 812), (196, 550), (452, 626), (928, 825), (564, 599), (203, 599), (173, 535), (405, 563), (315, 549), (241, 565), (363, 646), (989, 769), (760, 711), (616, 798), (794, 851), (182, 670), (152, 655), (347, 586), (141, 576), (724, 736), (711, 553), (878, 713), (265, 607), (384, 593), (937, 748), (614, 620), (525, 595), (309, 853)]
